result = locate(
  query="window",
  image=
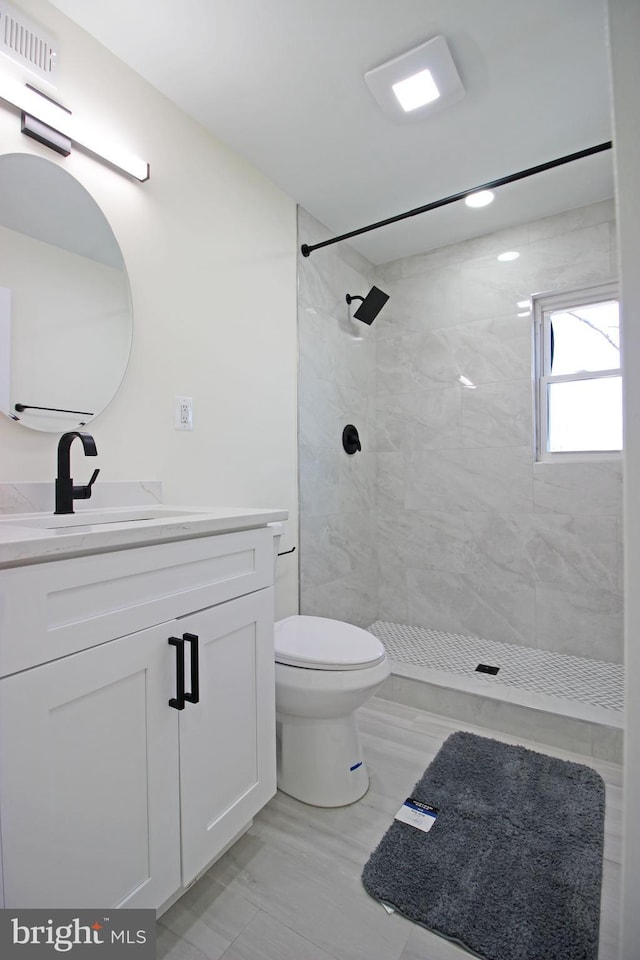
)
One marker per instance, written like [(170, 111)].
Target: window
[(578, 376)]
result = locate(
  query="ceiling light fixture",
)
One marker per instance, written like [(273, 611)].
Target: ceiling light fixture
[(480, 199), (46, 121), (419, 81), (523, 303), (415, 91), (508, 255)]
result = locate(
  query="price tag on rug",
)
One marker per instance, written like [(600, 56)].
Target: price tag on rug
[(417, 814)]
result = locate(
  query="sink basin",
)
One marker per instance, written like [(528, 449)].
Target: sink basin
[(86, 518)]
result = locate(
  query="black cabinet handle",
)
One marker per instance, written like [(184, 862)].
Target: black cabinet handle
[(194, 696), (177, 702)]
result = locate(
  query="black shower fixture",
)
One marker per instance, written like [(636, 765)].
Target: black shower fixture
[(350, 439), (371, 305)]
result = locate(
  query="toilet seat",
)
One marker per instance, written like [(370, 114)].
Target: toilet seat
[(319, 643)]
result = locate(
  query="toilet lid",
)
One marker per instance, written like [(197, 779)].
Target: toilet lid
[(319, 643)]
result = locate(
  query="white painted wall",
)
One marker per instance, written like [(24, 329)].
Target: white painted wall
[(624, 32), (210, 248)]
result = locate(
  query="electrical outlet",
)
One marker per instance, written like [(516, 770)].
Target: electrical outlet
[(183, 413)]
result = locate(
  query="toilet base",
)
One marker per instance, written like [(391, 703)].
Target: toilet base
[(320, 760)]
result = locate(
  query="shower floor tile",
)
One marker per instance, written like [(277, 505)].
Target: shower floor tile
[(592, 682)]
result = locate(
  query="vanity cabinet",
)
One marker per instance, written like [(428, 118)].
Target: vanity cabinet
[(109, 795), (90, 795), (227, 740)]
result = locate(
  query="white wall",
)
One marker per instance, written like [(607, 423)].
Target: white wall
[(210, 248), (624, 28)]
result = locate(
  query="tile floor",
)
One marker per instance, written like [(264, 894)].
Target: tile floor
[(290, 888)]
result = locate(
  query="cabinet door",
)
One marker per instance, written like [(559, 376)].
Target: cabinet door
[(89, 806), (227, 740)]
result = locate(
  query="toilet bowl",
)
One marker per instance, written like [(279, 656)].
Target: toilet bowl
[(325, 669)]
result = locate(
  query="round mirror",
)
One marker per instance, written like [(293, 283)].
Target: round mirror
[(65, 304)]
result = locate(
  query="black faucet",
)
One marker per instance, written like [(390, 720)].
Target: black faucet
[(66, 493)]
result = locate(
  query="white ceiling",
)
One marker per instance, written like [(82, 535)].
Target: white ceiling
[(282, 83)]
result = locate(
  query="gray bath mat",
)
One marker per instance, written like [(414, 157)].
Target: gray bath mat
[(502, 852)]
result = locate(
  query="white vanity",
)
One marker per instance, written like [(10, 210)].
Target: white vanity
[(116, 789)]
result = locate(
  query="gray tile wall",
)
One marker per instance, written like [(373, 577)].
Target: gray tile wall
[(338, 570), (445, 520), (474, 536)]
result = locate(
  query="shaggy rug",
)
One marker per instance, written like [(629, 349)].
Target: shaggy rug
[(499, 848)]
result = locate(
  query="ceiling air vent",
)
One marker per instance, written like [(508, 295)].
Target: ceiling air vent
[(25, 42)]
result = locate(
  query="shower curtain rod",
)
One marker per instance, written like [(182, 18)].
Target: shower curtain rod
[(306, 249)]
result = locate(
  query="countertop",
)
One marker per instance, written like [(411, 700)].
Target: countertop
[(25, 538)]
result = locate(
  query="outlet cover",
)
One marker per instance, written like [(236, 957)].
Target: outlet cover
[(183, 413)]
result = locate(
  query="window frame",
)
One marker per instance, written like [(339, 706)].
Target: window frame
[(542, 305)]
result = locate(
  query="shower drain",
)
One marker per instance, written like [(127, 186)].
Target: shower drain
[(487, 668)]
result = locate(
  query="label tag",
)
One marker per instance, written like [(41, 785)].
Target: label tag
[(417, 814)]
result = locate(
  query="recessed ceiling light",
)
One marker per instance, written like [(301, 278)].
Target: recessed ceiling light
[(508, 255), (415, 91), (522, 304), (429, 67), (479, 199)]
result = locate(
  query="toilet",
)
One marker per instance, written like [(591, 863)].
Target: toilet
[(325, 669)]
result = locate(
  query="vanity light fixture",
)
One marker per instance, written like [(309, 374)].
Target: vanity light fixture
[(41, 132), (480, 199), (54, 125), (416, 82)]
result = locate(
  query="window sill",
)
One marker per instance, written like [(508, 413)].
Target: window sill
[(581, 457)]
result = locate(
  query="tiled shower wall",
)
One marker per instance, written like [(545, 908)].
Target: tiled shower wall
[(470, 534), (338, 571), (474, 536)]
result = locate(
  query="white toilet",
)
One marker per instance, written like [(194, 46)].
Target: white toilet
[(325, 670)]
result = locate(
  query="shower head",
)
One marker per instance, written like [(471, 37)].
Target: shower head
[(371, 305)]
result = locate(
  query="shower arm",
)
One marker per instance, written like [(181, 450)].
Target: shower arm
[(307, 249)]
